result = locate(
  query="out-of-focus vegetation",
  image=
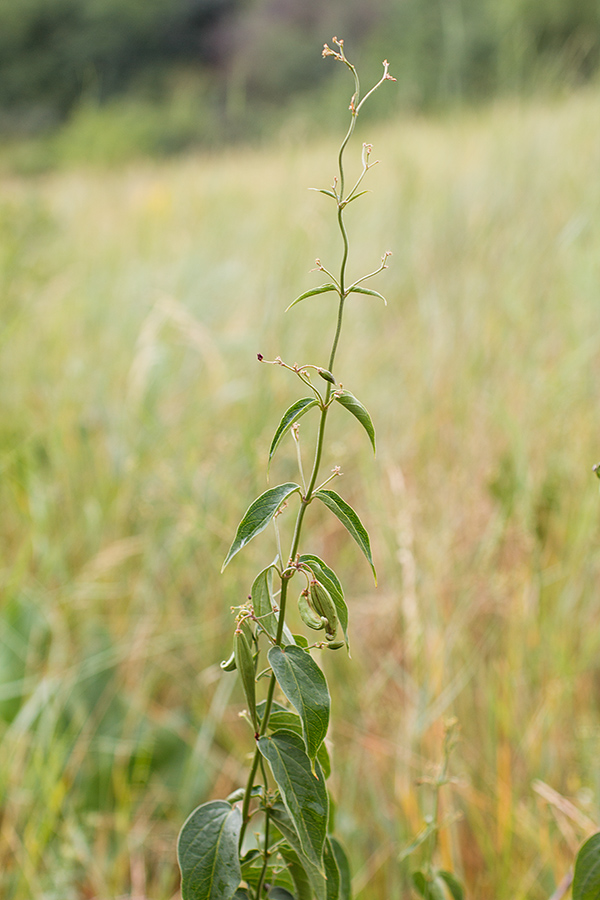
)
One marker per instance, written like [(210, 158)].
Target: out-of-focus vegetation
[(133, 303), (104, 81)]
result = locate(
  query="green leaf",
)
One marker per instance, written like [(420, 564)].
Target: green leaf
[(329, 579), (344, 867), (303, 793), (278, 893), (453, 884), (295, 412), (356, 196), (349, 520), (258, 515), (349, 402), (314, 873), (301, 640), (322, 289), (304, 684), (299, 877), (207, 850), (286, 720), (332, 873), (275, 706), (370, 293), (586, 877), (241, 894)]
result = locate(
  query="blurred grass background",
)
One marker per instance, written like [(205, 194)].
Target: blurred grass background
[(106, 81), (134, 432), (136, 288)]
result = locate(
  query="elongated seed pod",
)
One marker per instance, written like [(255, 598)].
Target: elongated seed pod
[(245, 665), (308, 615), (323, 604)]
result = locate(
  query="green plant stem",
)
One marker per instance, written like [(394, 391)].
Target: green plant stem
[(286, 579), (263, 873), (306, 499)]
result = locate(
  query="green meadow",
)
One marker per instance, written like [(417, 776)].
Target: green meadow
[(134, 432)]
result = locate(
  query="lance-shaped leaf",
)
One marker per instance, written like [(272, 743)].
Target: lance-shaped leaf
[(279, 893), (370, 293), (349, 402), (344, 867), (303, 793), (287, 720), (322, 289), (258, 515), (314, 873), (304, 684), (349, 520), (329, 579), (295, 412), (586, 877), (299, 877), (356, 196), (207, 851), (332, 872)]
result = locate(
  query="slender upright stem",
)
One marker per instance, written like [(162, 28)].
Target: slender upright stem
[(263, 872), (355, 104)]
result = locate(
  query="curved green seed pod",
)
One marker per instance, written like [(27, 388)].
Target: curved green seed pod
[(322, 602), (228, 665), (245, 665), (308, 615)]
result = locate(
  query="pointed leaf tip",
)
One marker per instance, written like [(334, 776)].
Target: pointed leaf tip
[(354, 406), (322, 289), (258, 515), (350, 521), (368, 292), (291, 415)]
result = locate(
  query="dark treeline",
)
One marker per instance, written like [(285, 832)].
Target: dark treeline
[(54, 54)]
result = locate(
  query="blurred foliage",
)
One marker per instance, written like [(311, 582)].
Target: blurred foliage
[(53, 52), (244, 57)]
